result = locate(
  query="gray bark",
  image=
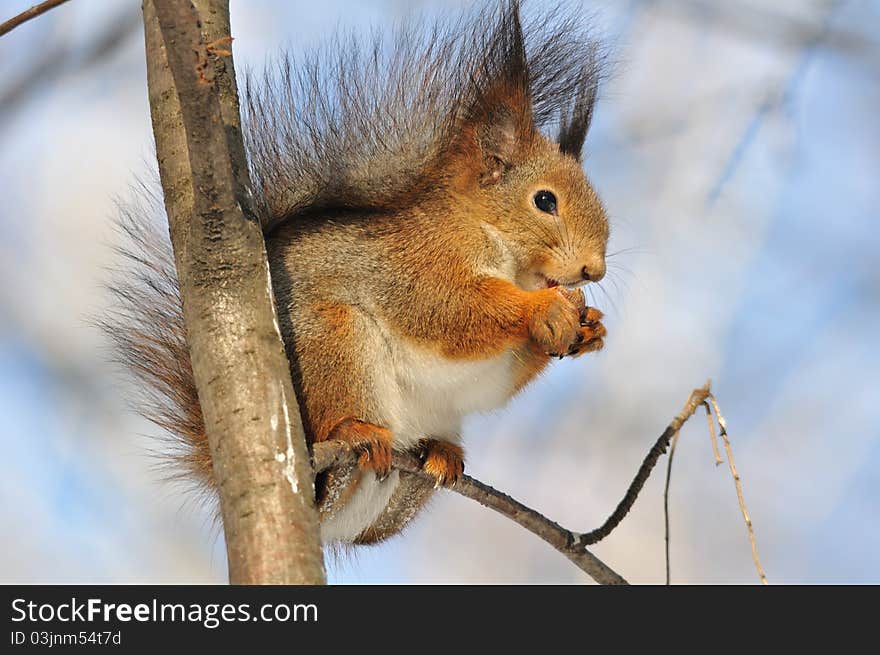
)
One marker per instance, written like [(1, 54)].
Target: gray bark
[(260, 458)]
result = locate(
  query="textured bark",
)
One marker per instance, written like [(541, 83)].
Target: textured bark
[(261, 462)]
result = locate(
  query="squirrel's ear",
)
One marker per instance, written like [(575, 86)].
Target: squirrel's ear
[(576, 122), (497, 128), (492, 140), (502, 133)]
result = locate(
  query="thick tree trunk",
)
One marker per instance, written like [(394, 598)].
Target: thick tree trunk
[(260, 457)]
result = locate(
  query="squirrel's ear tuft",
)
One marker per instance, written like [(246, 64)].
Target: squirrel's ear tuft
[(497, 128), (576, 121)]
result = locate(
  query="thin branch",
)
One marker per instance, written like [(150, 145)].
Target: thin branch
[(712, 437), (564, 541), (330, 454), (666, 501), (573, 545), (697, 397), (722, 424), (709, 397), (25, 16), (714, 441)]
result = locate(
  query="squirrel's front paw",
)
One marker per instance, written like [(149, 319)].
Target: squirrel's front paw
[(592, 336), (371, 443), (443, 461), (555, 323)]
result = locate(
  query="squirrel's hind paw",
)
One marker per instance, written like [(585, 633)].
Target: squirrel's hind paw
[(372, 444), (443, 461)]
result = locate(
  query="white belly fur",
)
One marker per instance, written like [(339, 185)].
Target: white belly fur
[(435, 393), (424, 395)]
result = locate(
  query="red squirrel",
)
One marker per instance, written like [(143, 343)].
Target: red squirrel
[(427, 240)]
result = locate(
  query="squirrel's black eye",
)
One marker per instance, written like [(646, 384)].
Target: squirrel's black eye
[(546, 202)]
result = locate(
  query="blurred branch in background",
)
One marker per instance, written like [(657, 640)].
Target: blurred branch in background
[(44, 65), (57, 57), (767, 29), (760, 23), (809, 39)]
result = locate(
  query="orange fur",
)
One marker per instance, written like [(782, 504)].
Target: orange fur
[(592, 334), (531, 361), (443, 461), (371, 442)]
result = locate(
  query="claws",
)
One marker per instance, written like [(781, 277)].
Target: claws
[(590, 316), (444, 461), (566, 326), (371, 443), (591, 344), (590, 337), (374, 456)]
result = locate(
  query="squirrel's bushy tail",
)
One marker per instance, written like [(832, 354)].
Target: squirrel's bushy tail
[(145, 325), (361, 124)]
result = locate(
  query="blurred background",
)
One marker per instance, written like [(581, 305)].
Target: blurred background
[(737, 148)]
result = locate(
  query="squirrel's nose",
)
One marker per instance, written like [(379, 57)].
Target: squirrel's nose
[(595, 271)]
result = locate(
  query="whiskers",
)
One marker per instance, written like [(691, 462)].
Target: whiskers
[(547, 239), (633, 250), (618, 276), (564, 238), (590, 290)]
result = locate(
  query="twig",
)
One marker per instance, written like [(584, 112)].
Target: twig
[(697, 397), (712, 437), (573, 545), (565, 541), (25, 16), (714, 441), (666, 499), (723, 429), (722, 424)]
